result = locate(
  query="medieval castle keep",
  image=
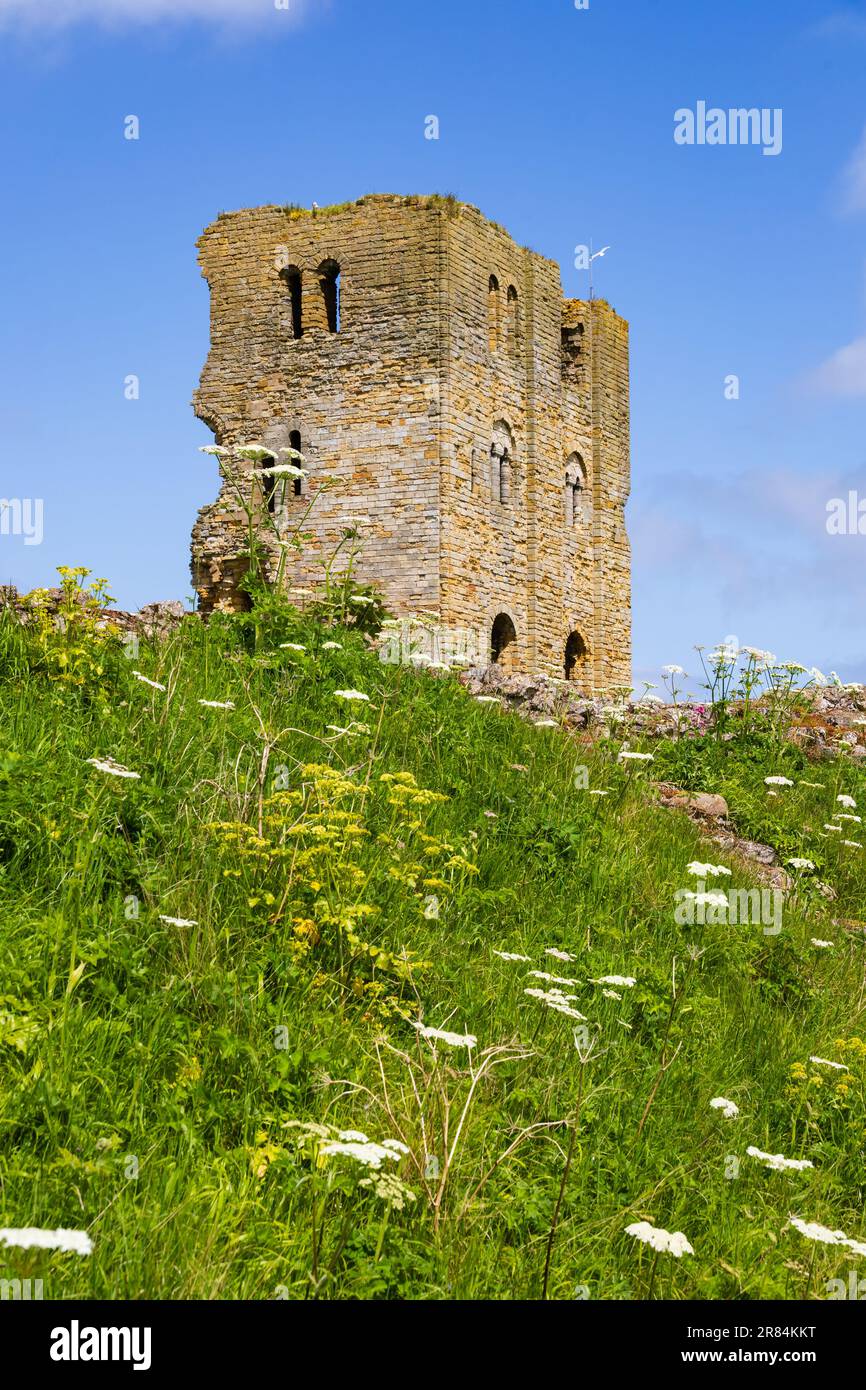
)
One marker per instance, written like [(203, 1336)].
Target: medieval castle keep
[(475, 421)]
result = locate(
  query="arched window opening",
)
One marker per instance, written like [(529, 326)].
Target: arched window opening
[(501, 460), (513, 320), (291, 278), (503, 638), (329, 282), (295, 443), (573, 357), (493, 313), (575, 657), (576, 495)]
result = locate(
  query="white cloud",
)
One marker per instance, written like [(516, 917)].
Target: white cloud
[(843, 374), (854, 179), (60, 14), (843, 24)]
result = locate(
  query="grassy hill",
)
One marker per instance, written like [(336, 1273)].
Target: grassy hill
[(213, 969)]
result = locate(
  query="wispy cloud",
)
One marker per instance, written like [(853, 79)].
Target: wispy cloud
[(842, 24), (118, 14), (854, 179), (843, 374)]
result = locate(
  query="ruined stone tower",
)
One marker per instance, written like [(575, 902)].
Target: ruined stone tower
[(476, 421)]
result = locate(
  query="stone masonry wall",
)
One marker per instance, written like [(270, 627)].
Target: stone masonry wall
[(476, 421)]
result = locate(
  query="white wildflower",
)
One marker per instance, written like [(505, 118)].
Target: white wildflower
[(352, 695), (177, 921), (442, 1035), (669, 1242), (778, 782), (154, 685), (627, 757), (801, 863), (255, 452), (558, 955), (553, 979), (113, 769), (707, 870), (823, 1062), (729, 1109), (621, 981), (705, 899), (369, 1154), (555, 999), (822, 945), (332, 646), (284, 470), (217, 704), (848, 801), (813, 1230), (32, 1238), (778, 1162), (292, 647), (511, 955)]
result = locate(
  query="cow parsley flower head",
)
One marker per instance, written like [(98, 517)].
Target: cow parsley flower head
[(217, 704), (352, 695), (113, 769), (154, 685), (332, 646), (553, 979), (32, 1238), (556, 1000), (558, 955), (823, 1062), (673, 670), (822, 945), (801, 863), (511, 955), (255, 452), (177, 921), (728, 1108), (847, 801), (366, 1153), (442, 1035), (707, 870), (778, 1162), (669, 1242), (706, 899), (284, 470), (621, 981), (813, 1230), (628, 757), (778, 782)]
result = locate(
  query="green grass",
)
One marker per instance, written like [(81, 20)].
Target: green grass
[(149, 1072)]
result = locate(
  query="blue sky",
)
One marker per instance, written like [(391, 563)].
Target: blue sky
[(556, 122)]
